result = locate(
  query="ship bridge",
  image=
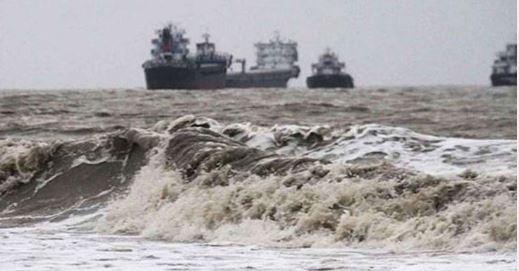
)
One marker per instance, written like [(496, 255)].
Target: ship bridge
[(276, 54)]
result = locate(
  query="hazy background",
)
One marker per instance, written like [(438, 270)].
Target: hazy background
[(85, 44)]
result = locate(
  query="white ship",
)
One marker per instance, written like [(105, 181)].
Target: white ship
[(275, 65)]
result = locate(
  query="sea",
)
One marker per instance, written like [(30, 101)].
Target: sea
[(374, 178)]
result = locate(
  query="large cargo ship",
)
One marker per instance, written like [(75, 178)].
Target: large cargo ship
[(173, 67), (504, 70), (327, 73), (274, 66)]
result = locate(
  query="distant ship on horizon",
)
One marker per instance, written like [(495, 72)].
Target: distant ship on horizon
[(275, 66), (504, 69), (173, 67), (327, 73)]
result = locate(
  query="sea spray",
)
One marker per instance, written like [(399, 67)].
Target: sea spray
[(319, 204), (416, 212)]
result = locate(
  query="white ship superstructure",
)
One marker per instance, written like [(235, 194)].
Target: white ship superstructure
[(276, 54), (328, 64), (170, 45)]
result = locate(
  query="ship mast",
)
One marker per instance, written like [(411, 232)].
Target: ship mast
[(206, 37)]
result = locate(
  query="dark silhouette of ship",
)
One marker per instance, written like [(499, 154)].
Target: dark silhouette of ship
[(172, 67), (504, 70), (274, 66), (327, 73)]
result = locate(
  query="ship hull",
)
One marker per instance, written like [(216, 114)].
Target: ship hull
[(330, 81), (258, 80), (170, 77), (504, 79)]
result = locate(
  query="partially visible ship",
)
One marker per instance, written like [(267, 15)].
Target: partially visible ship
[(327, 73), (504, 69), (274, 66), (173, 67)]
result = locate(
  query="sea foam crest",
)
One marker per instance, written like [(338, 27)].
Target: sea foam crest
[(206, 190), (20, 160)]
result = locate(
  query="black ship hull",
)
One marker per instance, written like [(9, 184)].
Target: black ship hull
[(274, 79), (197, 77), (330, 81), (504, 79)]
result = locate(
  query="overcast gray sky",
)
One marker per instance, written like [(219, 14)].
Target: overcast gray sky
[(102, 43)]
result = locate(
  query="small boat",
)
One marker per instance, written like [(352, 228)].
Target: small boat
[(327, 73)]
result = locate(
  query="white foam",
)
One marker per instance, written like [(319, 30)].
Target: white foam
[(400, 146), (41, 248), (428, 154)]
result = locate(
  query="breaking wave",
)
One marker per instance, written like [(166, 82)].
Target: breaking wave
[(196, 180)]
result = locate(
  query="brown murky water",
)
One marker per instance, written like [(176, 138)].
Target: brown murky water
[(403, 179), (468, 112)]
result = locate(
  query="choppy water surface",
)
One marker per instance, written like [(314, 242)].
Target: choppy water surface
[(364, 179), (467, 112)]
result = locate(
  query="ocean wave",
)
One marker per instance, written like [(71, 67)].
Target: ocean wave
[(195, 179)]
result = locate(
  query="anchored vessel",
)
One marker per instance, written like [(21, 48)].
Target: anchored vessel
[(274, 66), (327, 73), (173, 67), (504, 70)]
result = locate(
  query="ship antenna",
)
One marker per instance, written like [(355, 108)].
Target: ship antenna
[(206, 37)]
